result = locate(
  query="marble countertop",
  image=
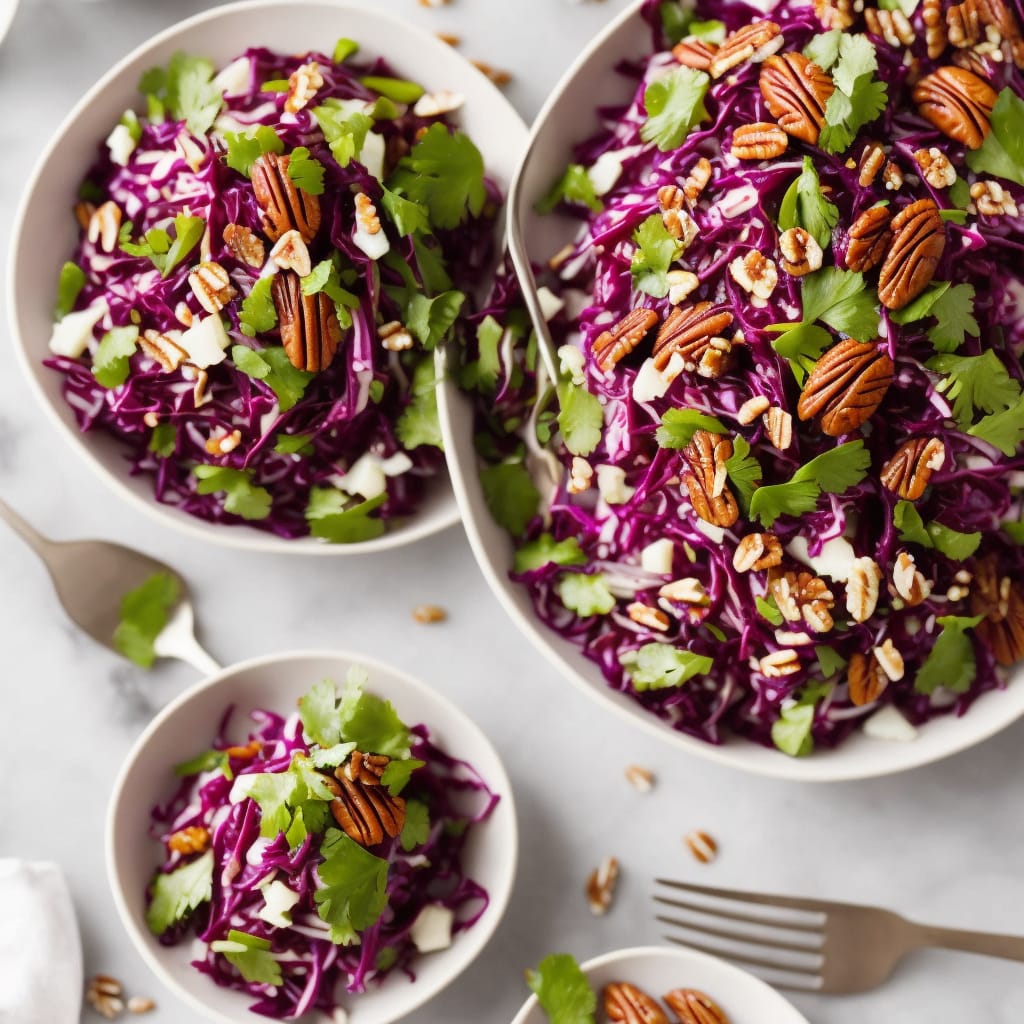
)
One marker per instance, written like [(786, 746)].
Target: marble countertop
[(942, 844)]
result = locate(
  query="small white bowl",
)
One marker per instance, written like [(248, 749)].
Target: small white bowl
[(570, 115), (45, 231), (276, 682), (659, 969)]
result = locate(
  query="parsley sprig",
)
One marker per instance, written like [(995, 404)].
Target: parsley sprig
[(859, 98), (674, 105), (1002, 152)]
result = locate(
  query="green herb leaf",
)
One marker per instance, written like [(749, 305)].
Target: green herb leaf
[(660, 666), (585, 594), (906, 6), (830, 662), (419, 424), (511, 496), (430, 320), (951, 663), (545, 550), (69, 285), (318, 712), (306, 171), (354, 892), (802, 347), (840, 299), (655, 253), (207, 761), (805, 206), (561, 986), (954, 313), (679, 425), (574, 187), (344, 129), (145, 611), (370, 722), (177, 893), (274, 792), (397, 89), (416, 830), (744, 472), (163, 251), (245, 148), (908, 521), (823, 49), (343, 49), (768, 609), (111, 363), (975, 382), (408, 217), (331, 757), (859, 98), (332, 518), (243, 497), (791, 731), (482, 374), (1002, 152), (275, 369), (952, 543), (674, 105), (164, 440), (185, 90), (254, 960), (922, 305), (1014, 529), (580, 418), (397, 774), (1003, 430), (258, 313)]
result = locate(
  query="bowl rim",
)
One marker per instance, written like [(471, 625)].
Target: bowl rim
[(826, 766), (500, 783), (239, 536)]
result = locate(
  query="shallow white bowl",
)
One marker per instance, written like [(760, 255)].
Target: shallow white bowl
[(568, 116), (45, 213), (276, 682), (658, 969)]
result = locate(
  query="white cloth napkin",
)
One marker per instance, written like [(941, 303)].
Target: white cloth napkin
[(40, 951)]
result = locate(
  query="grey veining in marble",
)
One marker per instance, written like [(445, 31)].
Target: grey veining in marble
[(943, 844)]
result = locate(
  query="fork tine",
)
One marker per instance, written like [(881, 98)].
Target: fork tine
[(733, 915), (752, 961), (739, 896), (738, 936)]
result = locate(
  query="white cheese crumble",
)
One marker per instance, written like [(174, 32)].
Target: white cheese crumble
[(72, 334), (657, 557), (550, 304), (888, 724), (835, 559), (121, 145), (205, 341), (432, 929), (233, 79), (278, 901), (611, 482), (374, 245)]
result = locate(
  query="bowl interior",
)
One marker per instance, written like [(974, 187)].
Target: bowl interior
[(658, 970), (45, 212), (189, 723), (569, 116)]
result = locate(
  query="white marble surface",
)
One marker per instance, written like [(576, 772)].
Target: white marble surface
[(943, 843)]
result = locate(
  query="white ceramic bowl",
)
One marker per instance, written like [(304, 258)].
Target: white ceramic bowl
[(276, 682), (568, 116), (45, 212), (658, 969)]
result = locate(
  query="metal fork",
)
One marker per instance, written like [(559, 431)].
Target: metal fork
[(821, 945)]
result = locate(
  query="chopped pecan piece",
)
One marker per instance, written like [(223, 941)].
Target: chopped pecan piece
[(999, 15), (907, 473), (846, 386), (697, 180), (612, 345), (992, 200), (691, 1006), (890, 659), (919, 240), (366, 814), (601, 884), (779, 664), (872, 160), (756, 274), (750, 42), (756, 552), (285, 206), (759, 141), (958, 103), (865, 679), (778, 425), (244, 245), (626, 1004), (803, 596), (303, 84), (893, 26), (694, 53), (862, 588), (935, 34), (935, 167), (364, 768), (795, 91), (690, 330), (801, 253), (908, 582), (705, 478), (870, 238), (191, 839), (1001, 601), (310, 331), (836, 13), (963, 24), (701, 845)]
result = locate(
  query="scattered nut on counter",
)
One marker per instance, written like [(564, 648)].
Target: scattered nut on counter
[(701, 845), (427, 613), (640, 778), (601, 886)]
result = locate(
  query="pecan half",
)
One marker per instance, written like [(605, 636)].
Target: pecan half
[(364, 768), (694, 53), (759, 141), (601, 884), (746, 43), (935, 34), (958, 103), (963, 24), (705, 478), (919, 240), (697, 180), (999, 16), (285, 206), (795, 91), (691, 1006), (626, 1004), (366, 814), (870, 238), (862, 587), (616, 343), (846, 386), (908, 582), (689, 330), (1001, 601), (865, 679), (310, 331), (907, 473)]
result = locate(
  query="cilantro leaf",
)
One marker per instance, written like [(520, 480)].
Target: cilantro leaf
[(207, 761), (823, 49), (908, 521), (397, 774), (145, 611), (829, 661), (306, 171), (975, 382), (859, 97), (585, 594), (804, 205), (660, 666), (354, 892), (922, 305), (791, 731), (561, 986), (445, 173), (258, 312), (370, 722), (164, 440), (1003, 430), (185, 90), (69, 285), (344, 129), (482, 374), (580, 418), (802, 347), (768, 609), (951, 663), (318, 712), (331, 757), (840, 299), (429, 320), (416, 830), (251, 956), (1014, 529), (744, 472), (674, 105), (574, 187), (952, 543), (157, 245), (511, 496), (418, 423), (545, 550), (954, 312), (679, 425), (274, 792), (408, 217), (111, 363), (275, 369), (245, 148), (177, 893), (790, 499), (656, 250), (243, 497), (1002, 152), (332, 518)]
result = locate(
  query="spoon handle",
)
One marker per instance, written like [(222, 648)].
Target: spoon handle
[(35, 540)]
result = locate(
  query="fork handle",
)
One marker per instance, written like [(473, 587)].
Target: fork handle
[(1009, 947), (31, 536)]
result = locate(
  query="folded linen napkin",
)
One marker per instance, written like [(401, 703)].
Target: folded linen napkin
[(40, 951)]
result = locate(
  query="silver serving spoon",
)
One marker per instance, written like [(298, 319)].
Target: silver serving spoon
[(92, 577)]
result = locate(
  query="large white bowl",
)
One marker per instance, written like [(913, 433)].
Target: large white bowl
[(569, 115), (45, 231), (276, 682), (657, 970)]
